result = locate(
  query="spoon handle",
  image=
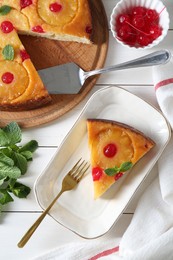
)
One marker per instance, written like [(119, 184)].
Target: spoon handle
[(154, 58)]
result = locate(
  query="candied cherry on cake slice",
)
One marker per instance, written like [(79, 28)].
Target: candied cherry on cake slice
[(55, 7), (24, 55), (118, 175), (38, 29), (7, 27), (25, 3), (110, 150), (7, 77), (96, 173)]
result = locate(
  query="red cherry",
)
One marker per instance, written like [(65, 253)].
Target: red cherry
[(118, 175), (131, 40), (139, 26), (151, 15), (97, 173), (110, 150), (55, 7), (38, 29), (143, 40), (7, 27), (88, 29), (7, 77), (155, 31), (122, 19), (124, 32), (24, 55), (138, 10), (25, 3), (138, 21)]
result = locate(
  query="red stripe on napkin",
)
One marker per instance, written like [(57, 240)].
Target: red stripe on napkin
[(163, 83), (105, 253)]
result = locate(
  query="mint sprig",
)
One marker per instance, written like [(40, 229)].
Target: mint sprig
[(123, 168), (8, 52), (13, 162), (5, 9)]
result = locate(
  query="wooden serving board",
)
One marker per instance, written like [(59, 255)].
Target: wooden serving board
[(46, 53)]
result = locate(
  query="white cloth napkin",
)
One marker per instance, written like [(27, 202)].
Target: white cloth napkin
[(163, 83), (150, 233)]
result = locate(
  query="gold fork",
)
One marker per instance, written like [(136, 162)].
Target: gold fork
[(69, 182)]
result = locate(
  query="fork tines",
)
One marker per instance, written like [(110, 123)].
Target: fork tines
[(79, 169)]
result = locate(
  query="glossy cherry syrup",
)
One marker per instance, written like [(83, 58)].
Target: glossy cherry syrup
[(7, 77), (138, 27)]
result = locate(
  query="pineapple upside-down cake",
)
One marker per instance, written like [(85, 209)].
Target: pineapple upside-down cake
[(20, 85)]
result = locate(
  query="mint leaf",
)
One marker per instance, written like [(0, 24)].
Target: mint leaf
[(30, 146), (5, 183), (112, 171), (13, 132), (123, 168), (6, 160), (126, 166), (5, 9), (7, 151), (9, 171), (20, 190), (20, 161), (4, 141), (28, 155), (13, 161), (8, 52), (5, 197), (2, 181), (14, 147), (11, 183)]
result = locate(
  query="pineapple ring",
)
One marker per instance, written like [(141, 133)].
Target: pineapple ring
[(19, 20), (64, 16), (19, 84), (123, 143)]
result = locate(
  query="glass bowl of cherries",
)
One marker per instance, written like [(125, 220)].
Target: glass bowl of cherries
[(139, 24)]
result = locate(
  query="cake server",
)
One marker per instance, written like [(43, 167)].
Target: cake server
[(69, 78)]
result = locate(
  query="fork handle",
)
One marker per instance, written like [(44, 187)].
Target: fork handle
[(31, 230)]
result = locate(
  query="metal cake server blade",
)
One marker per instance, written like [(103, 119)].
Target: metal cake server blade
[(69, 78)]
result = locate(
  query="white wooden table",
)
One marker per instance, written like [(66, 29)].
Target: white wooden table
[(18, 216)]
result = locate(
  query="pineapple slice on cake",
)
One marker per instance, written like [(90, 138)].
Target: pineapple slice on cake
[(115, 148)]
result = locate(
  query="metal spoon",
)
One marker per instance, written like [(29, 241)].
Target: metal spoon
[(69, 78)]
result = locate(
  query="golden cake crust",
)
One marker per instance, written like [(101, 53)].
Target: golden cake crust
[(131, 145)]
